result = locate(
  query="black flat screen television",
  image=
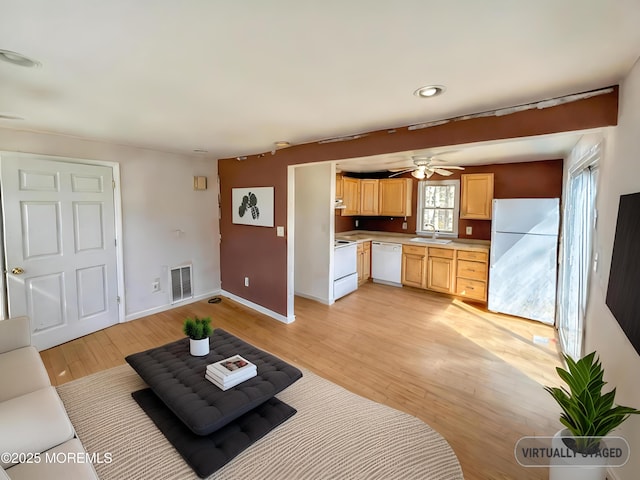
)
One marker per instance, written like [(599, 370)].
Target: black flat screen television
[(623, 291)]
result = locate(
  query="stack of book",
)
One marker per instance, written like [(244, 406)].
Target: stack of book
[(230, 372)]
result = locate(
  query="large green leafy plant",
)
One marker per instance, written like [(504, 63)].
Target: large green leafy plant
[(586, 411), (197, 328)]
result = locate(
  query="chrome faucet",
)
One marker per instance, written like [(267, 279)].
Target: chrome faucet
[(433, 227)]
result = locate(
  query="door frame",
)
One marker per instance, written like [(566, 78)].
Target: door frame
[(589, 160), (117, 205)]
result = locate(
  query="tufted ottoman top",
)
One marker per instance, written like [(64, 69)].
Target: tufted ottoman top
[(177, 378)]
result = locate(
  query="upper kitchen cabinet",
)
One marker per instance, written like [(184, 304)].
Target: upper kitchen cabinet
[(395, 197), (351, 196), (476, 196), (339, 186), (369, 197)]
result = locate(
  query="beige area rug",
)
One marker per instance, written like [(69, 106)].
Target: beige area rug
[(335, 435)]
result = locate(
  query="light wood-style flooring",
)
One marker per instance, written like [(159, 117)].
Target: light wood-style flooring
[(474, 376)]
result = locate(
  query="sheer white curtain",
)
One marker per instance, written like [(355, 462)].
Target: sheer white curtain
[(579, 225)]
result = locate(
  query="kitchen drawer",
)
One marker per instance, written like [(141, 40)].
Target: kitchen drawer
[(471, 288), (414, 250), (472, 255), (441, 252), (474, 270)]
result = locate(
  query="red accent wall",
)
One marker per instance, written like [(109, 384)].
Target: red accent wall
[(258, 253), (512, 180), (254, 252), (344, 224)]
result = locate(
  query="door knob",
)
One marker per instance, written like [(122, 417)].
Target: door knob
[(17, 271)]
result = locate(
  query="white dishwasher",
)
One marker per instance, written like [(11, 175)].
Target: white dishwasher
[(386, 263)]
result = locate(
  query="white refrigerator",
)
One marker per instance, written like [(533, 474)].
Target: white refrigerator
[(524, 257)]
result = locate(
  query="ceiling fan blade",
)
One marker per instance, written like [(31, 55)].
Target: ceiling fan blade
[(429, 173), (448, 167), (400, 169), (444, 173), (401, 172)]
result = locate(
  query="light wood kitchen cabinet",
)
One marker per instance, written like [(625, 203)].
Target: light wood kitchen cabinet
[(440, 269), (395, 197), (364, 262), (338, 186), (350, 196), (476, 197), (447, 270), (369, 197), (472, 270), (414, 266)]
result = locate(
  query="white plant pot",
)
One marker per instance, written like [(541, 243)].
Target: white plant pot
[(199, 348), (577, 471)]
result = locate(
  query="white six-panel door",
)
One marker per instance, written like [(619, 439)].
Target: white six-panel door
[(60, 252)]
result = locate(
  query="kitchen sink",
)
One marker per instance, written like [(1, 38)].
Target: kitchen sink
[(437, 241)]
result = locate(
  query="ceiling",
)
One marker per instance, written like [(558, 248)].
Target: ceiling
[(530, 149), (233, 77)]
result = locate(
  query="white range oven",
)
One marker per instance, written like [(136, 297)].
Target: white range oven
[(345, 268)]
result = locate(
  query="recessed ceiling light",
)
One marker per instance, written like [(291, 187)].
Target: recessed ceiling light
[(200, 150), (282, 144), (429, 91), (18, 59)]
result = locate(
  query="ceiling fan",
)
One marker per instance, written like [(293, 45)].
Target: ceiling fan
[(424, 168)]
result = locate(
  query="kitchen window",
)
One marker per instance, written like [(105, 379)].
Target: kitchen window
[(438, 207)]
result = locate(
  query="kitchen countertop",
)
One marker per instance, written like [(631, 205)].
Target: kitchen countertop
[(360, 236)]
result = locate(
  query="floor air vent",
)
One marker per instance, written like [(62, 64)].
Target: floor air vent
[(181, 283)]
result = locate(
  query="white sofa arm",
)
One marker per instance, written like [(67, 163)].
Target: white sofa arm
[(14, 333)]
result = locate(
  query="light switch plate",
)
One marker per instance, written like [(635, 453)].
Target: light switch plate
[(469, 230), (280, 231)]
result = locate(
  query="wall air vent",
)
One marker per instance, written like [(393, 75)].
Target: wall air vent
[(181, 283)]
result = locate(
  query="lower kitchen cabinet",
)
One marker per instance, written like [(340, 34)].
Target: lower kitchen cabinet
[(364, 262), (414, 266), (447, 270), (440, 273), (472, 271)]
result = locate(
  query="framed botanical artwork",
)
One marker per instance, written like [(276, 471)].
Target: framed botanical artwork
[(252, 206)]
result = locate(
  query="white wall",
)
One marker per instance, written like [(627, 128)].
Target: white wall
[(313, 231), (619, 174), (157, 199)]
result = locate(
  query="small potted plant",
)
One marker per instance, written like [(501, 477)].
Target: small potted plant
[(198, 330), (587, 414)]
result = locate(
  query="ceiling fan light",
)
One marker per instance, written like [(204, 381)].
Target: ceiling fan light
[(419, 174)]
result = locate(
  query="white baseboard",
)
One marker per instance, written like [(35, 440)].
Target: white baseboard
[(258, 308), (164, 308), (324, 301)]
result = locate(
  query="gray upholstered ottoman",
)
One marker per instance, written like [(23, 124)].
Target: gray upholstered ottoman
[(206, 425)]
